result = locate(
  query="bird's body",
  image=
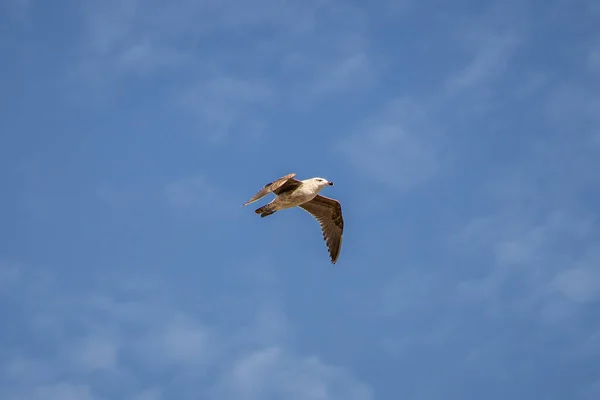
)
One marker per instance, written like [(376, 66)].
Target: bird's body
[(291, 193), (305, 192)]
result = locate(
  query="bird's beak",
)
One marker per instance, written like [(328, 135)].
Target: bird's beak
[(330, 183)]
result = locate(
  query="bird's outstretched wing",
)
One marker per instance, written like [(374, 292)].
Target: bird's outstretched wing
[(284, 184), (329, 214)]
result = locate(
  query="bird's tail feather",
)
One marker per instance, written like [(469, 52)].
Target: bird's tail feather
[(265, 210)]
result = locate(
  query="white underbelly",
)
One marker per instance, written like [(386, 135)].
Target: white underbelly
[(294, 199)]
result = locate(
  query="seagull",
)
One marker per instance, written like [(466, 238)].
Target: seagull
[(291, 193)]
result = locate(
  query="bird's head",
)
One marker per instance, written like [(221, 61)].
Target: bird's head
[(322, 182)]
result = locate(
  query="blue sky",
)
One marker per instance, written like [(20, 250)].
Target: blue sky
[(464, 141)]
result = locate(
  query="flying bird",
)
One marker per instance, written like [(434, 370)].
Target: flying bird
[(291, 193)]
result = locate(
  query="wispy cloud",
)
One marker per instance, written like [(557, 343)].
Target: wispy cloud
[(195, 197), (192, 197), (395, 148), (273, 373), (491, 54), (342, 75), (412, 139), (222, 106), (470, 143), (312, 53), (96, 353), (132, 36), (579, 284), (517, 248), (185, 341), (121, 333), (519, 264), (540, 242)]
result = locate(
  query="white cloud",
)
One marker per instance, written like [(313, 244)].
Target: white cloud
[(141, 35), (516, 248), (117, 336), (411, 140), (394, 148), (580, 284), (186, 342), (315, 50), (491, 57), (150, 394), (128, 36), (97, 353), (194, 196), (223, 105), (22, 370), (274, 374), (343, 74), (540, 238), (250, 374)]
